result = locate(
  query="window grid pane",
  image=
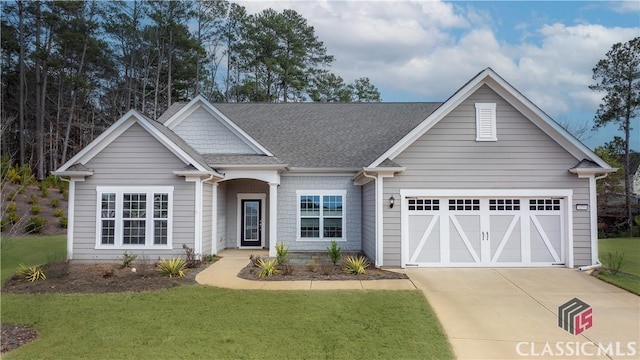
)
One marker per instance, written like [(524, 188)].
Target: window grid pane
[(310, 227), (134, 206), (160, 232), (134, 232)]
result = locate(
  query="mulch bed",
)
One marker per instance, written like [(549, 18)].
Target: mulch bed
[(13, 336), (323, 271), (64, 277)]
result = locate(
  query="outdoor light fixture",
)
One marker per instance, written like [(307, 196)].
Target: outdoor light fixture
[(391, 202)]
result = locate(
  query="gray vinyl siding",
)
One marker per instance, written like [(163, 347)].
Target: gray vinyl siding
[(133, 159), (207, 218), (369, 220), (288, 210), (206, 134), (243, 186), (448, 157)]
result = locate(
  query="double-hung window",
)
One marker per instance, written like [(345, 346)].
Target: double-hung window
[(321, 215), (134, 217)]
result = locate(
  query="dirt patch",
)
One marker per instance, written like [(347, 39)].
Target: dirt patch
[(64, 277), (326, 271), (14, 336)]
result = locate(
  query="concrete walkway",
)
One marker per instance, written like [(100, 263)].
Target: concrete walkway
[(223, 273), (512, 313)]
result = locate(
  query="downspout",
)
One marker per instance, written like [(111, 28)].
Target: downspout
[(377, 210), (598, 264)]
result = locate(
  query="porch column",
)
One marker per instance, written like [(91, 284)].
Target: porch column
[(273, 218), (214, 219)]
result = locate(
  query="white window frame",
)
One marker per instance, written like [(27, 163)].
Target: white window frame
[(321, 194), (119, 191), (482, 122)]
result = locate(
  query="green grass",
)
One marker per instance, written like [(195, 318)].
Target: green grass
[(206, 322), (30, 250), (629, 279)]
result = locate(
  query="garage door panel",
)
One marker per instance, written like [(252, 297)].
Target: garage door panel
[(464, 238), (546, 238), (484, 231), (424, 233), (506, 238)]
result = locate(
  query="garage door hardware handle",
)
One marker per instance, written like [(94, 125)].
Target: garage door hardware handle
[(483, 237)]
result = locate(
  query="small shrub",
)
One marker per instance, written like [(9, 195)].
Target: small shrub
[(64, 222), (267, 268), (50, 181), (282, 253), (13, 218), (31, 273), (35, 210), (255, 259), (614, 262), (172, 267), (58, 213), (12, 207), (12, 195), (4, 224), (32, 200), (209, 258), (312, 266), (355, 265), (65, 195), (334, 252), (35, 225), (192, 258), (13, 175), (44, 188), (127, 259), (287, 269), (26, 175), (54, 203)]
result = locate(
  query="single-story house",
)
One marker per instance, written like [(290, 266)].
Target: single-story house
[(485, 178)]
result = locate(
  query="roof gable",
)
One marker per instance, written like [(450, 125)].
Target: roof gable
[(209, 131), (512, 96), (163, 135)]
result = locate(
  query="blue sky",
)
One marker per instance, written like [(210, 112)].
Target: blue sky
[(426, 50)]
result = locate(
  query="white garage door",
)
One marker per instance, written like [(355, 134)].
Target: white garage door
[(483, 231)]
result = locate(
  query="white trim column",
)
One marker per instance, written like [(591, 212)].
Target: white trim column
[(214, 218), (593, 219), (273, 218)]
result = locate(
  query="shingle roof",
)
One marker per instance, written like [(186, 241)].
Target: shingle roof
[(227, 159), (327, 135)]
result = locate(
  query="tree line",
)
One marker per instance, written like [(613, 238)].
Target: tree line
[(71, 68)]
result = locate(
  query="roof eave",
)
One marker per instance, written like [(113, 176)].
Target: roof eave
[(73, 173), (198, 173), (592, 171)]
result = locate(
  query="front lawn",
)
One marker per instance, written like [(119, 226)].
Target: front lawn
[(200, 322), (629, 278)]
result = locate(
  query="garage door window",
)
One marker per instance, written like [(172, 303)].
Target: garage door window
[(504, 204), (464, 204), (544, 204), (424, 204)]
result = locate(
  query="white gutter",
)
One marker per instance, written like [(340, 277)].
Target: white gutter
[(594, 219)]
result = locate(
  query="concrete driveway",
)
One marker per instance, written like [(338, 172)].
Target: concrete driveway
[(512, 313)]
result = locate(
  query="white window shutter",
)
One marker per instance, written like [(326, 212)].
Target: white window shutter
[(486, 122)]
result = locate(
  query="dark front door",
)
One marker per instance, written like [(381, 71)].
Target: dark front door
[(251, 230)]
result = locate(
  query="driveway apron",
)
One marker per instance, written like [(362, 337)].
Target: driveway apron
[(513, 313)]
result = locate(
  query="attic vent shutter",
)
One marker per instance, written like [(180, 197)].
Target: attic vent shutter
[(486, 122)]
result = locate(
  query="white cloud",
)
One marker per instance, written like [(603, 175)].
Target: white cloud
[(430, 48)]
